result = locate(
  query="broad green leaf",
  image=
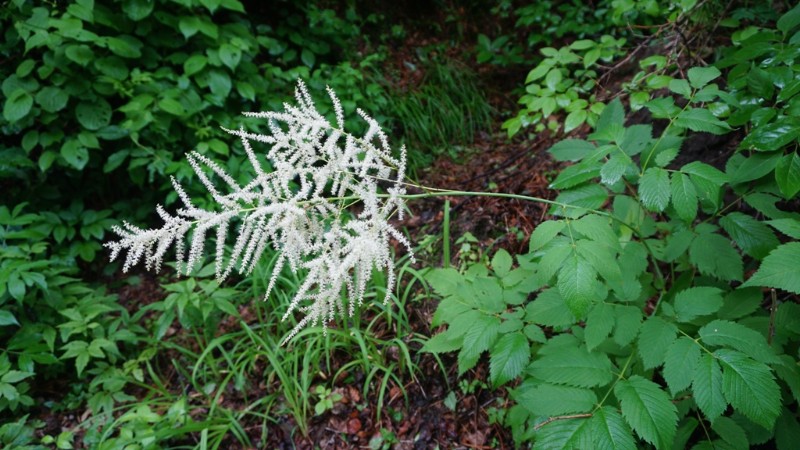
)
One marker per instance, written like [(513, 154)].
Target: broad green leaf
[(655, 337), (738, 337), (443, 342), (731, 433), (52, 99), (544, 232), (714, 256), (787, 175), (501, 263), (703, 170), (553, 259), (576, 284), (787, 430), (636, 139), (575, 119), (684, 197), (171, 106), (93, 115), (552, 400), (613, 115), (772, 136), (648, 410), (6, 318), (602, 259), (582, 198), (549, 309), (680, 364), (701, 119), (740, 302), (610, 432), (137, 9), (789, 227), (307, 57), (481, 335), (759, 82), (573, 366), (680, 87), (574, 175), (15, 376), (599, 324), (789, 20), (780, 269), (654, 189), (219, 82), (597, 228), (677, 244), (230, 55), (508, 357), (568, 434), (124, 46), (613, 170), (753, 237), (755, 167), (17, 105), (701, 76), (628, 322), (194, 64), (80, 54), (445, 281), (75, 154), (707, 387), (750, 387), (189, 26), (697, 301)]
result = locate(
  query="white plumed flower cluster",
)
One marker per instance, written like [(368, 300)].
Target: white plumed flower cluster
[(301, 208)]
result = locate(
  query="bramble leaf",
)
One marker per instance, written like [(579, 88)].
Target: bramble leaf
[(576, 283), (655, 337), (697, 301), (654, 189), (707, 387), (739, 337), (714, 256), (684, 197), (610, 431), (680, 363), (552, 400), (508, 357), (752, 236), (780, 269), (573, 366), (648, 410), (750, 387)]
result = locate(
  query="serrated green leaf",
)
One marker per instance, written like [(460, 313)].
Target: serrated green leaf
[(703, 170), (684, 197), (655, 337), (552, 400), (575, 119), (6, 318), (569, 434), (172, 106), (789, 227), (714, 256), (15, 376), (613, 115), (573, 366), (654, 189), (753, 237), (627, 324), (481, 335), (750, 387), (755, 167), (574, 175), (597, 228), (544, 232), (613, 170), (772, 136), (576, 284), (599, 324), (508, 357), (787, 430), (740, 302), (554, 257), (789, 20), (707, 387), (443, 342), (648, 410), (549, 309), (701, 119), (701, 76), (787, 175), (680, 87), (582, 198), (680, 363), (697, 301), (636, 139), (501, 263), (738, 337), (731, 433), (610, 432), (780, 269)]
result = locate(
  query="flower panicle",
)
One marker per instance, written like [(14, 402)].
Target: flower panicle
[(295, 205)]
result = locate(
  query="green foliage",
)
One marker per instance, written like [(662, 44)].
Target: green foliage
[(640, 299)]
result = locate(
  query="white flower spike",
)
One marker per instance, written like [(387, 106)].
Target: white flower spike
[(318, 171)]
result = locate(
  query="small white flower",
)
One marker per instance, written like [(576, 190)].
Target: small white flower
[(298, 209)]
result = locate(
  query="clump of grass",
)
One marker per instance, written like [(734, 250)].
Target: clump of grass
[(443, 114)]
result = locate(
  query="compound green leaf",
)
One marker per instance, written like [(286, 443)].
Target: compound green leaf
[(684, 197), (17, 105), (573, 366), (780, 269), (636, 139), (787, 175), (481, 335), (613, 115), (610, 432), (755, 167), (582, 198), (549, 309), (655, 337), (701, 76), (599, 324), (714, 256), (697, 301), (789, 227), (552, 400), (569, 434), (731, 432), (707, 387), (648, 410), (613, 170), (750, 387), (680, 87), (93, 115), (508, 357), (544, 232), (576, 284), (654, 190), (701, 119), (705, 171), (628, 322), (574, 175), (753, 237), (680, 364), (738, 337)]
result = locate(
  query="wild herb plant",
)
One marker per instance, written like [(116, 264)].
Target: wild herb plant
[(632, 316)]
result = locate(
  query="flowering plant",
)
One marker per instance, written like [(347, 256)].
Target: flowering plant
[(319, 171)]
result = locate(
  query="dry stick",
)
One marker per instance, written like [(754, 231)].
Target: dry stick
[(553, 419)]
